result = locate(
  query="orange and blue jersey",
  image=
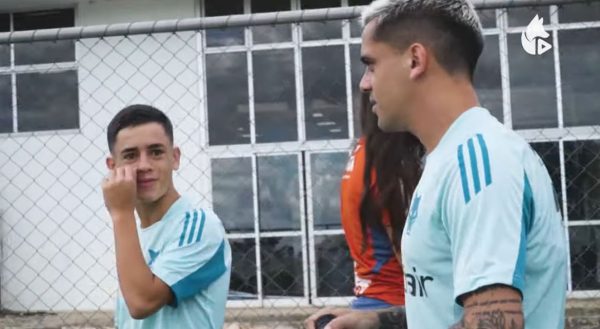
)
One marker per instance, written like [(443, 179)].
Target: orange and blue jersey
[(379, 279)]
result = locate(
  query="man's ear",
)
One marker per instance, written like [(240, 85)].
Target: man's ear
[(110, 163), (419, 60), (176, 157)]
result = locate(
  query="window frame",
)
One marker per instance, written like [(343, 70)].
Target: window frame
[(46, 68)]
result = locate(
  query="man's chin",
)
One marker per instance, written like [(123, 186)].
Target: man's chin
[(387, 126), (146, 198)]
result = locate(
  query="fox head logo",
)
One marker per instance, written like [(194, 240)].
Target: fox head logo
[(532, 38)]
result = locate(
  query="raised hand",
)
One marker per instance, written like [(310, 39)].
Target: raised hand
[(119, 190)]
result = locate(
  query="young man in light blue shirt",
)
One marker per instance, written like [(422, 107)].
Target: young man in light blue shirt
[(483, 245), (174, 267)]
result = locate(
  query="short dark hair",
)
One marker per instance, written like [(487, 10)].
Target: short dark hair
[(450, 28), (135, 115)]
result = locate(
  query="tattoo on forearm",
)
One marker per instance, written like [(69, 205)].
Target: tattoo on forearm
[(492, 319), (493, 302), (394, 318)]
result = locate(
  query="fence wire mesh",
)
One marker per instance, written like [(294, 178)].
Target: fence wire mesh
[(265, 118)]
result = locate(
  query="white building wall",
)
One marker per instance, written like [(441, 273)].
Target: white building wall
[(126, 11)]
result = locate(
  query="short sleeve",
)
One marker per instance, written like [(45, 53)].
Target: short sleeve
[(488, 210), (196, 256)]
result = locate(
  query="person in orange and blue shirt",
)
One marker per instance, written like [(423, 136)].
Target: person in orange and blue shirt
[(373, 218)]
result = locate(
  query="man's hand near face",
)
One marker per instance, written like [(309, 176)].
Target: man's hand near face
[(119, 190)]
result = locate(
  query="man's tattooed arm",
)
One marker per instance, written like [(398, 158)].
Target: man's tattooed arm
[(492, 307), (392, 318)]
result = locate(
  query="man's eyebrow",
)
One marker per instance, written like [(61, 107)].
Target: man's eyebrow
[(156, 146), (129, 149)]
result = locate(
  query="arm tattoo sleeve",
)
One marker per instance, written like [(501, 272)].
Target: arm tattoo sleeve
[(495, 314), (393, 318)]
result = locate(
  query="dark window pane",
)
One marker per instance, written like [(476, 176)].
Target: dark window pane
[(6, 110), (4, 49), (325, 93), (487, 18), (44, 52), (335, 268), (5, 55), (278, 193), (522, 16), (488, 79), (532, 85), (549, 153), (355, 28), (4, 22), (357, 70), (223, 7), (48, 51), (580, 74), (271, 34), (582, 163), (275, 99), (227, 36), (232, 36), (243, 269), (47, 101), (321, 30), (281, 260), (358, 2), (585, 262), (266, 6), (228, 116), (44, 19), (314, 4), (579, 12), (326, 172), (232, 185)]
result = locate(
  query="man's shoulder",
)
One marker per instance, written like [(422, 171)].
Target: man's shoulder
[(478, 158), (188, 210)]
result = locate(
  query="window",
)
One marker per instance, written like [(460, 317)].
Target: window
[(226, 36), (228, 113), (487, 18), (275, 96), (521, 16), (532, 87), (585, 262), (43, 76), (487, 78), (580, 76), (232, 185), (325, 93), (579, 12), (583, 179)]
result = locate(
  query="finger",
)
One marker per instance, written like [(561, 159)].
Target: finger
[(116, 174), (120, 174), (134, 171), (127, 173)]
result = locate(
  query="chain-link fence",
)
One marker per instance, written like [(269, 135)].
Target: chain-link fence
[(262, 106)]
